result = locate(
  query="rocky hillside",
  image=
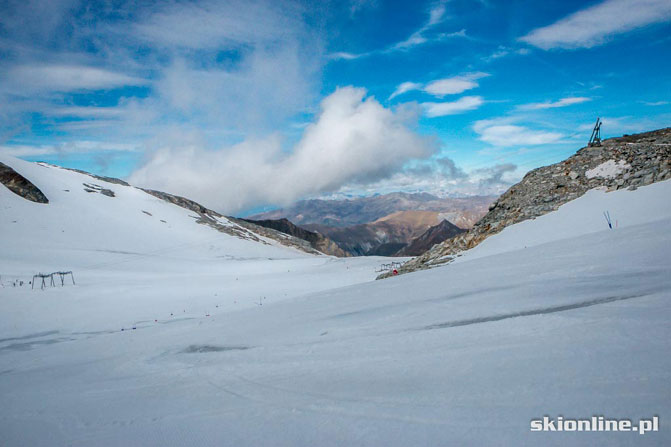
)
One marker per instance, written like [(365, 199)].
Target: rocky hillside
[(462, 211), (625, 162), (209, 217), (434, 235), (317, 241), (20, 185)]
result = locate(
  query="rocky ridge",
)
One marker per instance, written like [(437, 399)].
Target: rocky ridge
[(316, 240), (240, 228), (20, 185), (625, 162), (434, 235)]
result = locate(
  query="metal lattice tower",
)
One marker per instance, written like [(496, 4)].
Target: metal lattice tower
[(595, 139)]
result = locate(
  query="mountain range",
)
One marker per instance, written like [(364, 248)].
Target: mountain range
[(461, 211), (384, 225)]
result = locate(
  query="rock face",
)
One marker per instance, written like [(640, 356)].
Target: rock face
[(626, 162), (434, 235), (317, 241), (181, 201), (20, 185)]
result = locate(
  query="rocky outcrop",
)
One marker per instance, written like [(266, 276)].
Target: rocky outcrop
[(182, 201), (93, 188), (317, 241), (238, 227), (626, 162), (113, 180), (434, 235), (20, 185)]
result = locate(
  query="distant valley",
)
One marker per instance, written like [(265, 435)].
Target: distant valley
[(388, 224)]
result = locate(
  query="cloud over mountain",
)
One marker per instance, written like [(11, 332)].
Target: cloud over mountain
[(354, 139)]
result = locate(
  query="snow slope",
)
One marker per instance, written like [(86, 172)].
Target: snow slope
[(133, 223), (576, 324), (580, 217), (133, 253)]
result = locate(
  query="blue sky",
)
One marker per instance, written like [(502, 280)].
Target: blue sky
[(242, 104)]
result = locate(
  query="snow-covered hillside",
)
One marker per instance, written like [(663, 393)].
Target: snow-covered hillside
[(575, 324), (132, 252), (80, 218)]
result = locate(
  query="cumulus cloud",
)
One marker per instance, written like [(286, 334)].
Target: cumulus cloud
[(502, 133), (554, 104), (593, 26), (354, 139), (442, 177), (463, 104), (494, 176)]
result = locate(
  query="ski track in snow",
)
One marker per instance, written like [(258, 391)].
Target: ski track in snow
[(530, 313)]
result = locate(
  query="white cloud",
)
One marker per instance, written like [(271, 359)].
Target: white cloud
[(593, 26), (463, 104), (70, 147), (218, 25), (495, 178), (64, 78), (405, 87), (499, 132), (655, 103), (421, 36), (454, 85), (443, 87), (510, 135), (355, 139), (436, 15), (346, 56), (220, 67), (86, 112), (628, 124), (554, 104), (503, 51), (441, 177)]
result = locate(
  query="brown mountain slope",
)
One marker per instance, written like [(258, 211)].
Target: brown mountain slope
[(384, 236), (434, 235)]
